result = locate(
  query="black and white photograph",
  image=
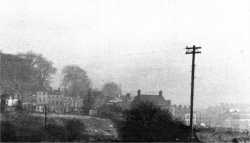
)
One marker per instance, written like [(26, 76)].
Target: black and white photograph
[(125, 71)]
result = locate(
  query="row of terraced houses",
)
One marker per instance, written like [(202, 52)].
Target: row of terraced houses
[(57, 102), (54, 100), (226, 115)]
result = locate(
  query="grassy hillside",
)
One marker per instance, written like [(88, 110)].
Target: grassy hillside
[(30, 127)]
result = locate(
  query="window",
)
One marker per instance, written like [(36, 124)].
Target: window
[(40, 99)]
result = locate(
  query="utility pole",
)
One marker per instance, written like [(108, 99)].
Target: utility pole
[(192, 50), (45, 126), (0, 72)]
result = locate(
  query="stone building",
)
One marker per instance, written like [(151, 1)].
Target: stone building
[(156, 99), (57, 102)]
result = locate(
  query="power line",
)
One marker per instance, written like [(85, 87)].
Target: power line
[(122, 55)]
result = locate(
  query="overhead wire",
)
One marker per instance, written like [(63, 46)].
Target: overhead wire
[(122, 55)]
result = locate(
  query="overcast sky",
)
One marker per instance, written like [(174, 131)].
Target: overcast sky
[(139, 43)]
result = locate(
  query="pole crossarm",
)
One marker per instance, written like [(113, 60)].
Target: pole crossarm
[(191, 50), (193, 47)]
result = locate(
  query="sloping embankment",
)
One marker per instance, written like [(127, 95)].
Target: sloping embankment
[(94, 126)]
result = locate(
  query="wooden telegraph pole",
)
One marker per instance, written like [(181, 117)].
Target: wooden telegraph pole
[(0, 72), (45, 124), (192, 50)]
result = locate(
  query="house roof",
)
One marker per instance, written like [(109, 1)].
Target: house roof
[(33, 88), (156, 99), (55, 92), (6, 96), (115, 100), (29, 99), (124, 105), (240, 115)]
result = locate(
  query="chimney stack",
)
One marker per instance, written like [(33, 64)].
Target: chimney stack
[(139, 92), (128, 95), (160, 93)]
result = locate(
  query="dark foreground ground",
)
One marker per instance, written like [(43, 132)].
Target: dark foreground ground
[(98, 129), (211, 135)]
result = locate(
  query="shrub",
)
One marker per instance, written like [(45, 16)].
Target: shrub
[(8, 133), (25, 128), (109, 111), (74, 130), (147, 122)]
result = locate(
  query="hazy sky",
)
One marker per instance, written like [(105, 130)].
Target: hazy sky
[(139, 43)]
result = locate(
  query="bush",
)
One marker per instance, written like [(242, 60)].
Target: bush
[(8, 133), (28, 128), (109, 111), (25, 128), (147, 122), (56, 133), (75, 129)]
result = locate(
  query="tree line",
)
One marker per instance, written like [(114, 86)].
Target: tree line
[(27, 71)]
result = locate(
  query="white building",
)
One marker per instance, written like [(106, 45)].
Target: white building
[(55, 101), (238, 120)]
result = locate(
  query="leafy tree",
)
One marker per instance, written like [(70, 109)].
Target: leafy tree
[(89, 102), (42, 68), (24, 71), (147, 122), (15, 71), (75, 81), (111, 89)]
